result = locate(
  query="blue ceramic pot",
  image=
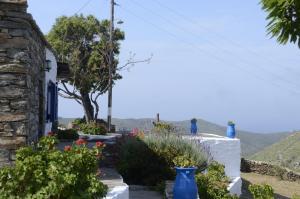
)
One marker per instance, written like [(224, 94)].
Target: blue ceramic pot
[(231, 131), (194, 128), (185, 185)]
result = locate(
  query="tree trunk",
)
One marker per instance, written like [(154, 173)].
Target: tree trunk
[(87, 106)]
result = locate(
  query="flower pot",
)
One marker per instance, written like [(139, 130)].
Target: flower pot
[(185, 185), (231, 131), (194, 127)]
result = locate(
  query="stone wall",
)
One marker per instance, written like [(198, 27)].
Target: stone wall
[(265, 168), (22, 59)]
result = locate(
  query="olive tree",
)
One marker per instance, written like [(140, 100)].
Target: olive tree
[(83, 43)]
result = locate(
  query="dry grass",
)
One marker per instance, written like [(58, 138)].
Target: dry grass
[(282, 189)]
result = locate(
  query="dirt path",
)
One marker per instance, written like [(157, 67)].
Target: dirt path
[(282, 189)]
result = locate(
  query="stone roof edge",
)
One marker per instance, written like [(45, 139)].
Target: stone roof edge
[(32, 22)]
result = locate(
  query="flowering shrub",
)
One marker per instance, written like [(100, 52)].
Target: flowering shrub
[(137, 133), (45, 172)]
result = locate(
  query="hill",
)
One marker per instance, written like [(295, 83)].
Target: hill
[(284, 153), (251, 142)]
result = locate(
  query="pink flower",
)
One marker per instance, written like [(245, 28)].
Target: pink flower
[(80, 141), (67, 148), (134, 132), (50, 133), (99, 144)]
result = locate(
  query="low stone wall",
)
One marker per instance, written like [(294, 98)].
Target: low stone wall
[(265, 168)]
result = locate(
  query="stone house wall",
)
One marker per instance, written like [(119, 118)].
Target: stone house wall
[(22, 61)]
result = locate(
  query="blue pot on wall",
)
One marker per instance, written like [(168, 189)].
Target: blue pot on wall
[(231, 130), (194, 128), (185, 185)]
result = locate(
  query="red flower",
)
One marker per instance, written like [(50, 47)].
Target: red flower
[(80, 141), (99, 144), (98, 155), (50, 133), (68, 148)]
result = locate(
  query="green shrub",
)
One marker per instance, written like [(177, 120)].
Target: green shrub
[(68, 134), (163, 128), (261, 191), (45, 172), (93, 128), (138, 164), (177, 151), (214, 183), (152, 160), (296, 197)]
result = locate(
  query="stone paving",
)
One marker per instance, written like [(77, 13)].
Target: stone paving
[(141, 192)]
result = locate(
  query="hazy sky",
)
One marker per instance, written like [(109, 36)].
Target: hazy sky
[(211, 60)]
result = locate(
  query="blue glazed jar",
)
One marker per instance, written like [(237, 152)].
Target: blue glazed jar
[(185, 185), (231, 130), (194, 128)]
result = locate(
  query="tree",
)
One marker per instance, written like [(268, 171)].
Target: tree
[(83, 43), (284, 19)]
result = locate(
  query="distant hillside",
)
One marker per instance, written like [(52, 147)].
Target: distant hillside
[(251, 142), (284, 153)]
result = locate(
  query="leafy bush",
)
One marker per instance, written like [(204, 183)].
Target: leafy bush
[(68, 134), (177, 151), (296, 197), (163, 128), (150, 161), (213, 184), (45, 172), (261, 191), (93, 128)]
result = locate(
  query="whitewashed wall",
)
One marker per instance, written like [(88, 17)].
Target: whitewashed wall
[(49, 76), (226, 151)]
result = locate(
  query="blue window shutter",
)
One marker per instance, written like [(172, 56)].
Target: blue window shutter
[(48, 110), (51, 102)]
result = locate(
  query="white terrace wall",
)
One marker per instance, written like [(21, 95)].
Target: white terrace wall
[(226, 151), (22, 62)]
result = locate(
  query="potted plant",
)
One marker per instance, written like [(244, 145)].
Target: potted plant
[(185, 186), (231, 129)]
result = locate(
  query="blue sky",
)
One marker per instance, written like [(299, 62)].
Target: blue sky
[(211, 60)]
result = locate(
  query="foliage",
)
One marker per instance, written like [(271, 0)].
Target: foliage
[(177, 151), (213, 184), (296, 197), (230, 123), (68, 134), (163, 128), (83, 43), (284, 19), (78, 121), (45, 172), (261, 191), (150, 161), (93, 128), (194, 120)]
